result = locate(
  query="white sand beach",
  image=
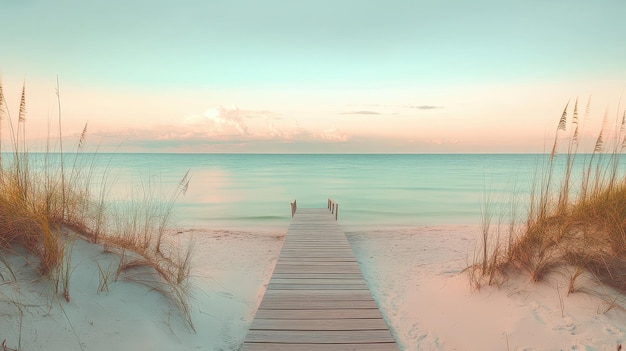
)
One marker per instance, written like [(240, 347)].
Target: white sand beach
[(415, 274), (175, 135)]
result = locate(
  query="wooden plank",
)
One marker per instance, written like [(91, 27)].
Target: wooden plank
[(342, 267), (315, 269), (312, 258), (320, 336), (336, 247), (318, 275), (324, 259), (318, 256), (318, 286), (319, 347), (317, 298), (320, 294), (315, 253), (316, 240), (318, 324), (337, 256), (302, 303), (317, 249), (339, 313), (287, 263), (317, 281)]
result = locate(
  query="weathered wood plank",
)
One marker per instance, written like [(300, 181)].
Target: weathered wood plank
[(317, 281), (320, 294), (327, 253), (315, 255), (318, 324), (339, 268), (332, 265), (339, 313), (318, 286), (317, 298), (318, 275), (320, 336), (390, 346), (315, 269), (339, 265), (324, 259), (313, 304)]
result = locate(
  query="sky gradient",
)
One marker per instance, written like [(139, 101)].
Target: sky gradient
[(312, 76)]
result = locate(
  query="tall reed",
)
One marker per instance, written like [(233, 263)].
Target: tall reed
[(39, 202), (575, 218)]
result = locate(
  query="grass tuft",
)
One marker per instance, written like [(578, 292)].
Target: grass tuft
[(42, 201), (576, 216)]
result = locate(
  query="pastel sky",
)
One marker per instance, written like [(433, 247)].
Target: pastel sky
[(414, 76)]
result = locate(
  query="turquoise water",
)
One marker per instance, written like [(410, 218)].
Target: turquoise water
[(254, 191), (235, 190)]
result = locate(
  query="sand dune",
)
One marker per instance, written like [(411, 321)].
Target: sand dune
[(415, 274)]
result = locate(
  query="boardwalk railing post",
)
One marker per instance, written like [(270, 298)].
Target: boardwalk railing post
[(294, 208), (333, 207)]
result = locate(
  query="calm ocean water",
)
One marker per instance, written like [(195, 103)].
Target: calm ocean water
[(254, 191), (235, 190)]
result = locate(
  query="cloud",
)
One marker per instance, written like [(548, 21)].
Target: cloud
[(438, 141), (229, 126), (237, 124), (332, 134), (219, 121), (361, 113), (426, 107)]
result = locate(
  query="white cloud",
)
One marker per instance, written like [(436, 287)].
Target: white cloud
[(333, 134), (218, 121), (222, 124)]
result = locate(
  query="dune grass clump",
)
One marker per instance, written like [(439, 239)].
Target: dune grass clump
[(44, 196), (576, 220)]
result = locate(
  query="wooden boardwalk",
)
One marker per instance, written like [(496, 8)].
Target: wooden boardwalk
[(317, 298)]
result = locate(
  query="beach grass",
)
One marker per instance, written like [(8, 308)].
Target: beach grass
[(576, 219), (47, 199)]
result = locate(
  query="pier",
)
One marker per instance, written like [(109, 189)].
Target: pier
[(317, 298)]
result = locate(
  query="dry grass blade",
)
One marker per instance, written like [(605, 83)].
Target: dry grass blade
[(83, 136), (575, 113), (575, 122), (563, 120), (583, 230), (572, 288), (2, 117), (562, 126), (105, 276), (39, 204), (22, 112), (599, 143), (622, 129)]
